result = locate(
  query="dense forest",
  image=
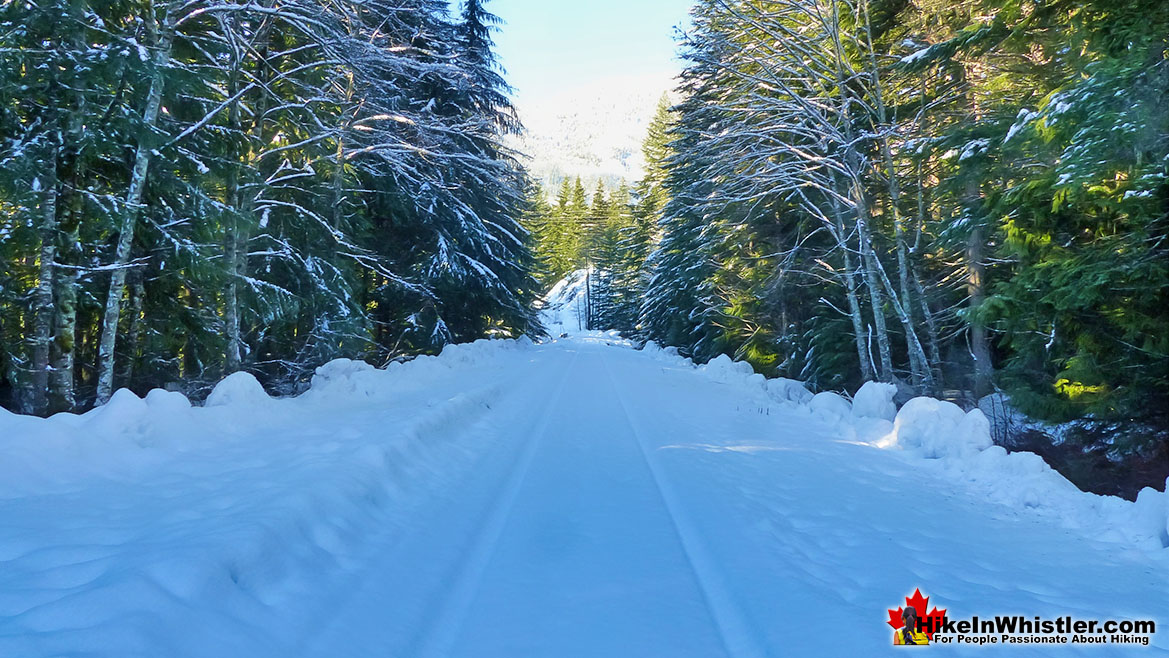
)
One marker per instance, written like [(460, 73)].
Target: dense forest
[(192, 188), (967, 199)]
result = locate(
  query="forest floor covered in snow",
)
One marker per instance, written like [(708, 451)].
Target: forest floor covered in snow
[(576, 498)]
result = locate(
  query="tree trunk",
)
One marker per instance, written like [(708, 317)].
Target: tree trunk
[(854, 307), (43, 295), (931, 323), (876, 293), (234, 242), (134, 329), (233, 356), (852, 163), (243, 203), (62, 396), (343, 128), (913, 343), (979, 345), (132, 206), (976, 268), (918, 363)]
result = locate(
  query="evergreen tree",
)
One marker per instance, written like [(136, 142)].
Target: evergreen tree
[(190, 189)]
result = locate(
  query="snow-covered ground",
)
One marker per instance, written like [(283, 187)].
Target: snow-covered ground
[(564, 305), (577, 498)]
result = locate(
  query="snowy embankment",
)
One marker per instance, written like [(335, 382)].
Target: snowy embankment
[(124, 528), (564, 306), (943, 439)]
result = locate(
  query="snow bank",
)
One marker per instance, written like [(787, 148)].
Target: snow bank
[(936, 428), (148, 513), (346, 377), (345, 381), (830, 406), (782, 389), (238, 389), (667, 355), (125, 412), (722, 368), (726, 371), (875, 400), (960, 446), (153, 514), (1150, 516), (956, 445), (167, 401)]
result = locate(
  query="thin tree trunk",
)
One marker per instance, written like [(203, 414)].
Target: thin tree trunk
[(913, 343), (339, 173), (930, 320), (588, 299), (233, 356), (979, 345), (43, 296), (876, 293), (854, 307), (62, 396), (919, 364), (975, 267), (237, 261), (931, 324), (239, 229), (852, 164), (113, 308), (8, 369), (134, 329)]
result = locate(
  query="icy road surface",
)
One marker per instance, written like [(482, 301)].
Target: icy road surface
[(571, 499)]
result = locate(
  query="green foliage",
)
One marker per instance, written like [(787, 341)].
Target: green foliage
[(1011, 161), (326, 179), (1085, 311)]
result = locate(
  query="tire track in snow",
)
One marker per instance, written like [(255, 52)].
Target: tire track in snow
[(438, 638), (434, 430), (733, 629)]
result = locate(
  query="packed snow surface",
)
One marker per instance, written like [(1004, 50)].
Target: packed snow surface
[(576, 498)]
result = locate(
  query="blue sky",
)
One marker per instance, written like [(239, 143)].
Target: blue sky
[(549, 46)]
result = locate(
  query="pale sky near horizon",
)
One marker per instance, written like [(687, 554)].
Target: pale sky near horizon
[(549, 47)]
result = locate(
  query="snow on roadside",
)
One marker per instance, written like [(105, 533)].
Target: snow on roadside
[(956, 445), (128, 525)]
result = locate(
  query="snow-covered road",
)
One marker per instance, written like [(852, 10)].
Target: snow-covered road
[(572, 499), (570, 548)]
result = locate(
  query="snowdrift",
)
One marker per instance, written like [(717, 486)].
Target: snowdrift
[(954, 444), (204, 516)]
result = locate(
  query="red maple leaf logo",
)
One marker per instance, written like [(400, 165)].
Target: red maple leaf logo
[(919, 603)]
